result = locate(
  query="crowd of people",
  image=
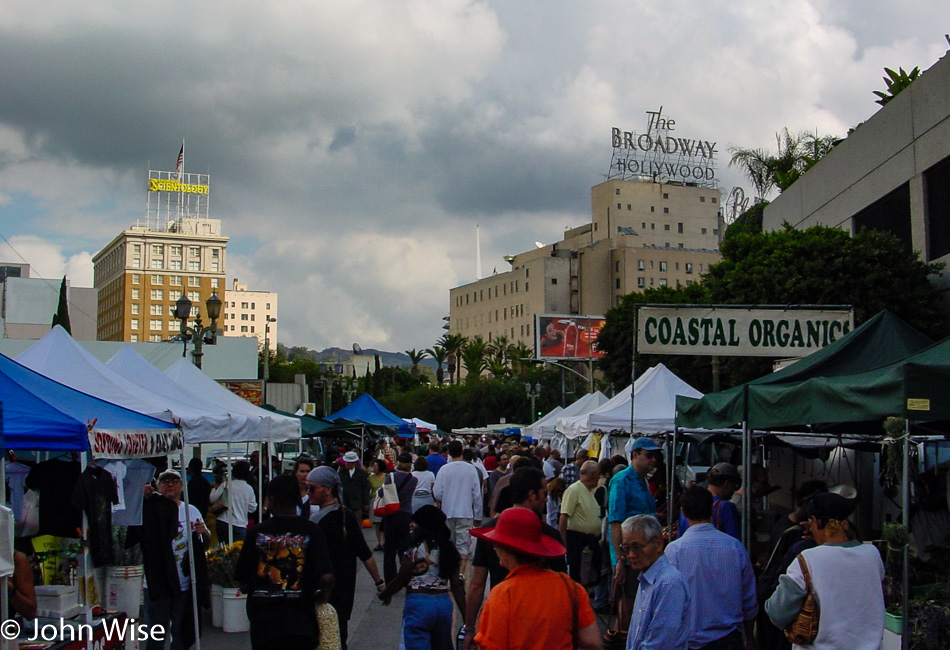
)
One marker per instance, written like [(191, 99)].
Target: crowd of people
[(529, 548)]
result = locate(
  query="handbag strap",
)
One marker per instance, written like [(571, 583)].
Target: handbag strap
[(572, 594), (804, 566)]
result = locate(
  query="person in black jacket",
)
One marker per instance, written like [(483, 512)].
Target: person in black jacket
[(355, 485), (167, 568), (199, 489)]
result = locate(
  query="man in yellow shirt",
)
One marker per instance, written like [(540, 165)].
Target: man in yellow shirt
[(580, 523)]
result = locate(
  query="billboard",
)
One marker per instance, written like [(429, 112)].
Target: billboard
[(739, 332), (252, 390), (567, 336)]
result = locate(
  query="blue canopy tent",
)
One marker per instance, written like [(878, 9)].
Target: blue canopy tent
[(367, 410), (42, 414)]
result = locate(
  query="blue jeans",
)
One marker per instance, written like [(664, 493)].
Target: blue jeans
[(427, 622), (221, 529)]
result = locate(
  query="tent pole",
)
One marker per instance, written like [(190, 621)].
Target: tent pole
[(633, 371), (746, 458), (191, 548), (905, 516), (671, 486)]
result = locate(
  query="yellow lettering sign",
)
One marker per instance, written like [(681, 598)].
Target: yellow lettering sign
[(160, 185), (918, 404)]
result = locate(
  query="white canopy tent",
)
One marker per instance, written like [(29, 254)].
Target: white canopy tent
[(250, 423), (654, 409), (421, 425), (59, 357), (536, 429)]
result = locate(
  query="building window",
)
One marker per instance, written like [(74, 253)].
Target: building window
[(155, 324), (666, 226), (652, 226), (194, 281), (175, 265), (620, 206), (641, 283), (136, 278), (214, 283), (652, 208), (525, 286), (641, 264), (157, 263), (252, 316), (214, 267), (617, 191), (155, 338), (715, 231), (174, 326), (194, 251), (267, 305), (174, 249), (244, 328), (616, 267), (243, 316), (702, 199), (714, 200), (679, 245), (134, 324), (174, 280), (553, 280), (135, 294), (662, 282), (158, 249), (665, 195), (157, 279), (617, 283), (136, 263), (134, 338), (194, 296), (156, 310), (662, 267), (214, 253), (136, 248), (703, 231), (629, 207), (157, 294), (253, 306), (135, 308), (194, 266), (666, 210), (689, 267), (243, 305), (679, 228)]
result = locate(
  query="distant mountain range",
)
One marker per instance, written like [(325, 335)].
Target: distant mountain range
[(361, 361)]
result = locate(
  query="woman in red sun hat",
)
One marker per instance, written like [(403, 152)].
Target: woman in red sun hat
[(516, 616)]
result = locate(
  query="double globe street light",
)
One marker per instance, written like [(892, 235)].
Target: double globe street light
[(199, 334)]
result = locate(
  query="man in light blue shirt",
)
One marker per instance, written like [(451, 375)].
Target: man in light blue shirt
[(719, 577), (660, 618)]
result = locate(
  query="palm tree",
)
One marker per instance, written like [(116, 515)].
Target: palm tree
[(473, 357), (438, 353), (797, 153), (453, 347), (416, 358), (520, 354), (896, 82), (497, 367)]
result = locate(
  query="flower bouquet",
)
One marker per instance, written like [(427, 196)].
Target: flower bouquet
[(222, 562)]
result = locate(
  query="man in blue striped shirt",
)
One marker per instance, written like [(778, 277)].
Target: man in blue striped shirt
[(720, 579), (660, 618)]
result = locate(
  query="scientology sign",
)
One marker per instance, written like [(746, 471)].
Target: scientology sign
[(728, 331)]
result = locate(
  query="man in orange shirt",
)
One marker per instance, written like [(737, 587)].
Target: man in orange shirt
[(561, 620)]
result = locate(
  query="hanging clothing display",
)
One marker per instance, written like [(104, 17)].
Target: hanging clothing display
[(95, 494), (16, 476), (135, 474), (55, 481)]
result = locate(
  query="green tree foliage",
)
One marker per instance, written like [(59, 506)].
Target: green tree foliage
[(475, 358), (61, 317), (795, 154), (895, 82), (438, 353), (416, 357)]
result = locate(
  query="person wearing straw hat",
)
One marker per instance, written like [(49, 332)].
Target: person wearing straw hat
[(429, 571), (516, 615)]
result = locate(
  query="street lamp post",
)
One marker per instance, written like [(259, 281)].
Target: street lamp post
[(198, 332), (270, 319), (349, 389), (533, 393)]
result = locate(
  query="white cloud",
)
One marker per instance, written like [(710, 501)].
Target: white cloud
[(353, 146)]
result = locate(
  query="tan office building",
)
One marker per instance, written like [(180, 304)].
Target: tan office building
[(142, 273), (642, 234), (251, 313)]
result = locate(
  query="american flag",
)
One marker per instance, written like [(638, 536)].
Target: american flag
[(181, 159)]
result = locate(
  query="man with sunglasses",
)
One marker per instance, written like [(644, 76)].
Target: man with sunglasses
[(629, 496), (661, 611)]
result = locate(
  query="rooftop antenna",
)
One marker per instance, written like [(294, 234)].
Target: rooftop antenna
[(478, 255)]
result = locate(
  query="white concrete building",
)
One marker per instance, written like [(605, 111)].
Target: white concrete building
[(251, 313)]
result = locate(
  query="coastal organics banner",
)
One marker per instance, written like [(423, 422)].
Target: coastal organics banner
[(754, 332)]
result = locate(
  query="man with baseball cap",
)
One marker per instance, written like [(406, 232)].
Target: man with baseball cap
[(630, 495), (355, 484), (724, 480), (514, 616)]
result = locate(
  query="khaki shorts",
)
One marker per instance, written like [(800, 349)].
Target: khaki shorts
[(459, 527)]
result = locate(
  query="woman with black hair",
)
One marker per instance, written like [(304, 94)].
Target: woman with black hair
[(429, 571)]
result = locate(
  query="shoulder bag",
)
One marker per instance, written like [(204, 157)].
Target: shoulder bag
[(615, 638), (804, 629), (387, 501)]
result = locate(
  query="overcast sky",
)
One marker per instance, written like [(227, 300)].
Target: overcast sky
[(354, 145)]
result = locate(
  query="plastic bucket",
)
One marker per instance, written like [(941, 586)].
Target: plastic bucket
[(124, 586), (217, 605), (235, 611)]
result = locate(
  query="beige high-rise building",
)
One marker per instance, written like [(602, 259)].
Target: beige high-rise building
[(642, 235), (178, 251), (251, 313)]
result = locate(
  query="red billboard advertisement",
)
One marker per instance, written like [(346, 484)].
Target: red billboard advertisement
[(252, 390), (566, 336)]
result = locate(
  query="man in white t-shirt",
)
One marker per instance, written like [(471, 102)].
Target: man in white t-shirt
[(458, 492)]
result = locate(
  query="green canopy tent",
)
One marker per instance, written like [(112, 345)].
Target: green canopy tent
[(881, 340)]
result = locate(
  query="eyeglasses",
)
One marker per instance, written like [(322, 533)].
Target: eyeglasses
[(627, 549), (171, 479), (654, 455)]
